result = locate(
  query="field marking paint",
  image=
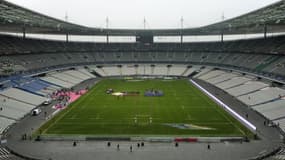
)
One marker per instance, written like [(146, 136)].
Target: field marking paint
[(225, 106), (129, 122), (189, 117), (198, 107), (141, 115), (213, 123), (142, 118)]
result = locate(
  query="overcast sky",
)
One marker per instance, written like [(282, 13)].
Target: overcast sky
[(130, 13)]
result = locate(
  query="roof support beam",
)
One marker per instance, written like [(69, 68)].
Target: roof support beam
[(24, 32), (66, 38), (107, 37), (265, 31), (222, 36)]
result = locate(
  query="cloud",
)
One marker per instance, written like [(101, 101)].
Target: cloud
[(130, 13)]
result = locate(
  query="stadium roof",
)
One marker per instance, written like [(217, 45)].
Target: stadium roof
[(14, 18)]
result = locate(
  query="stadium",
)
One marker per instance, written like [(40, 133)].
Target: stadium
[(64, 99)]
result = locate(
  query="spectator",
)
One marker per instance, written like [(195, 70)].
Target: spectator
[(176, 144)]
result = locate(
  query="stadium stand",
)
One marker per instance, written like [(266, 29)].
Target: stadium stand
[(246, 88), (68, 78), (235, 81), (128, 70), (211, 74), (56, 81), (17, 45), (189, 70), (86, 73), (258, 95), (74, 76), (6, 155), (179, 70), (148, 69), (280, 123), (99, 70), (112, 70), (14, 109), (33, 85), (65, 77), (23, 96), (49, 62), (78, 74), (262, 96), (272, 110), (202, 71), (160, 70), (140, 70), (20, 95), (5, 123), (221, 78), (143, 69), (278, 156), (229, 54)]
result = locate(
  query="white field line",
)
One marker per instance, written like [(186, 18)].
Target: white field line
[(248, 124)]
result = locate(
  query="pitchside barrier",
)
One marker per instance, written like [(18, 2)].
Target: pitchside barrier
[(146, 139)]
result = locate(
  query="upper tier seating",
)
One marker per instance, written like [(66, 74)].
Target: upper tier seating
[(255, 55), (16, 45)]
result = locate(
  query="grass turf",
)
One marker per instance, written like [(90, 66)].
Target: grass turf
[(99, 114)]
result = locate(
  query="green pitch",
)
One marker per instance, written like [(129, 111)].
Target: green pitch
[(183, 111)]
